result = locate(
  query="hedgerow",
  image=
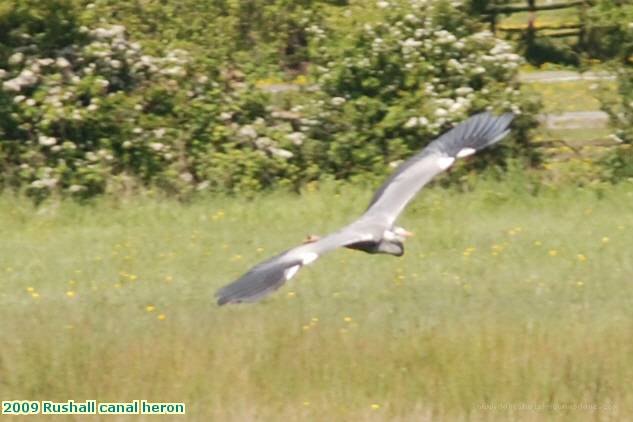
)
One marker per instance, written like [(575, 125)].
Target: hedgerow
[(89, 106)]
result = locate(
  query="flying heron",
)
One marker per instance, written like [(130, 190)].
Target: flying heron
[(374, 232)]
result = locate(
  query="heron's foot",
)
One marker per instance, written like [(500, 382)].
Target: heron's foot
[(311, 238)]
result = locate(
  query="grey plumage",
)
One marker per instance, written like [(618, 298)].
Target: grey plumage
[(374, 231)]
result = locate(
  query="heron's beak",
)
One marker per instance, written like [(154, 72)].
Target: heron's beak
[(311, 238), (407, 233)]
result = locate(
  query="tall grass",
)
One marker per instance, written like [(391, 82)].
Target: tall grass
[(506, 306)]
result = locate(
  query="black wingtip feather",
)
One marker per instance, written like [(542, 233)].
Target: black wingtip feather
[(477, 132), (259, 282)]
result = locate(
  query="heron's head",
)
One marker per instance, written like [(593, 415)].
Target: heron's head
[(398, 234)]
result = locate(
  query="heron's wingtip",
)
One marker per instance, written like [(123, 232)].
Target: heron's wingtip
[(259, 282)]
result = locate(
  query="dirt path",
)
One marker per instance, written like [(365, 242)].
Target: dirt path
[(554, 76), (575, 120), (571, 119)]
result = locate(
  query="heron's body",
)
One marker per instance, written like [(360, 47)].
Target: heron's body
[(374, 232), (384, 246)]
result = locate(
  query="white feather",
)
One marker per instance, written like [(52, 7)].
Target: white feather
[(445, 162), (465, 152), (288, 273), (309, 257)]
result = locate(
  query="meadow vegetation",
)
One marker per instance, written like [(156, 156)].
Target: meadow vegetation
[(510, 294), (166, 120)]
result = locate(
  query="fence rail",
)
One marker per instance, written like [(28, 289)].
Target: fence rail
[(531, 29), (532, 7)]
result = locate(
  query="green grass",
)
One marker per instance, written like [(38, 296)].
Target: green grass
[(502, 299), (544, 17), (567, 96)]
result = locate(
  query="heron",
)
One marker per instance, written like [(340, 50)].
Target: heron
[(374, 231)]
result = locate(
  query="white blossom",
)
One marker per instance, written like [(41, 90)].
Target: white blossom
[(416, 122), (203, 185), (282, 153), (263, 142), (248, 132), (62, 63), (296, 138), (412, 122), (46, 61), (16, 58), (463, 90), (46, 140), (337, 101), (156, 146)]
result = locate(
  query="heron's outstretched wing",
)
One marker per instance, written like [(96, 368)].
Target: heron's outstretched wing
[(267, 276), (470, 136)]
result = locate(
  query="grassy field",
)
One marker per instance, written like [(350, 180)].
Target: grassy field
[(567, 96), (505, 306)]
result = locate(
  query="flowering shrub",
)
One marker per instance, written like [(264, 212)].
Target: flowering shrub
[(407, 78), (71, 121), (97, 112)]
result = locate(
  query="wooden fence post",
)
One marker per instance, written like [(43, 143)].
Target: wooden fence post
[(531, 30)]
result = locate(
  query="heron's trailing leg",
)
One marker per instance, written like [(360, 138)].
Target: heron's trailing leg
[(311, 238)]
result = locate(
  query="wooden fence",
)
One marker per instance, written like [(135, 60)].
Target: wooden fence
[(531, 29)]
